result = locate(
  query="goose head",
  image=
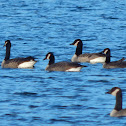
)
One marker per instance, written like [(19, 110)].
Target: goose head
[(106, 51), (7, 43), (49, 56), (77, 42), (114, 91)]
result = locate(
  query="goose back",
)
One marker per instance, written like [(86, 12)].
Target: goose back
[(64, 66)]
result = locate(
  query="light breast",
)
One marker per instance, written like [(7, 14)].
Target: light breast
[(114, 113)]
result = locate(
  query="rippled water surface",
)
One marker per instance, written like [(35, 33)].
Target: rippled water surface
[(35, 97)]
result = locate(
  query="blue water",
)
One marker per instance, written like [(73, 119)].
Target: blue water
[(35, 97)]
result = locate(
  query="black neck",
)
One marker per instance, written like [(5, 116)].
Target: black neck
[(108, 55), (118, 105), (79, 49), (52, 60), (7, 57)]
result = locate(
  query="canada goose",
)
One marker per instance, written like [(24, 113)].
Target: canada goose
[(117, 111), (115, 64), (61, 66), (87, 57), (27, 62)]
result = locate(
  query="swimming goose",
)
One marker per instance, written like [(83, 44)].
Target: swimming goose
[(61, 66), (115, 64), (117, 111), (27, 62), (87, 57)]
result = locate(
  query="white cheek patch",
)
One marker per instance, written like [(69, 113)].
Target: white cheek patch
[(76, 43), (105, 52), (48, 57), (5, 43), (115, 92)]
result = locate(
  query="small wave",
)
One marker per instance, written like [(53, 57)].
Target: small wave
[(26, 94)]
